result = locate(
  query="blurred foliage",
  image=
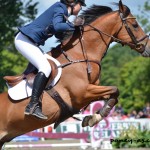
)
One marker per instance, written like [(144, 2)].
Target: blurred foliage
[(116, 57), (132, 138), (13, 13), (130, 72), (135, 83), (144, 16), (13, 64)]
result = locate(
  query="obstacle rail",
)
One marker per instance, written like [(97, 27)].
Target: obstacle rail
[(46, 145), (53, 136), (59, 135)]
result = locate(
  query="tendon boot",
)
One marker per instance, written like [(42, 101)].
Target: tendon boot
[(34, 107)]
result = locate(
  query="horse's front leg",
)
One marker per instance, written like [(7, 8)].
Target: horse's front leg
[(107, 93)]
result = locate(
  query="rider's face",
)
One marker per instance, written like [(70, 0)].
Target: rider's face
[(77, 8)]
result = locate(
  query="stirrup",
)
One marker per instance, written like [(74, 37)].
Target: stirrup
[(36, 111)]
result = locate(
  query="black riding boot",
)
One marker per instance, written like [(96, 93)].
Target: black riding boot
[(34, 107)]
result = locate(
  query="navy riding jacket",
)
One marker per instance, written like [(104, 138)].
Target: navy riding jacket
[(49, 23)]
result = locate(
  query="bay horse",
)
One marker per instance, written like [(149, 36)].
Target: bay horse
[(79, 84)]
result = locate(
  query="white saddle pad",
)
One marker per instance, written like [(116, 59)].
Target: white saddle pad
[(23, 90)]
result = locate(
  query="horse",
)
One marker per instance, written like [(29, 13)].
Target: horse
[(80, 55)]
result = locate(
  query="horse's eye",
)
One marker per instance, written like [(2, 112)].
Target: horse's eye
[(135, 25)]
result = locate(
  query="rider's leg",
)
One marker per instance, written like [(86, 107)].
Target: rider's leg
[(30, 51), (34, 107)]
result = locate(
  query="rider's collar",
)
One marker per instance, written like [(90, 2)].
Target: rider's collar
[(69, 13)]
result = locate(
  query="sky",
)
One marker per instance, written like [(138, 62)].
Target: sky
[(44, 4)]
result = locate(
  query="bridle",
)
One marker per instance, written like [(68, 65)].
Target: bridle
[(136, 44)]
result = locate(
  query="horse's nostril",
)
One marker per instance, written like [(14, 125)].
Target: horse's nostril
[(140, 48)]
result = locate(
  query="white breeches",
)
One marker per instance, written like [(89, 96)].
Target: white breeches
[(33, 53)]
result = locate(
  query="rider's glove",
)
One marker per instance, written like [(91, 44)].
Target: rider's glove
[(79, 21)]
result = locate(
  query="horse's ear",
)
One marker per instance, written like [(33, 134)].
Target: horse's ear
[(121, 8)]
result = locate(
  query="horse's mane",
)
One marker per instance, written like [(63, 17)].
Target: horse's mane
[(94, 12), (90, 15)]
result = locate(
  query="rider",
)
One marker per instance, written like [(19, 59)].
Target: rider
[(31, 36)]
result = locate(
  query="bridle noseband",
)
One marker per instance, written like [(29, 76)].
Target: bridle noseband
[(137, 43)]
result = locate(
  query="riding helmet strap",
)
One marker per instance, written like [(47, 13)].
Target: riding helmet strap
[(72, 7)]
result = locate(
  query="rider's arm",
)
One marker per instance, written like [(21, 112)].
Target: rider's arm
[(59, 23)]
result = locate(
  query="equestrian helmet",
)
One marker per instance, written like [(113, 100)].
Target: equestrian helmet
[(69, 2)]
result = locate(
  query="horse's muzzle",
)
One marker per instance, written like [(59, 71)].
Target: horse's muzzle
[(146, 52)]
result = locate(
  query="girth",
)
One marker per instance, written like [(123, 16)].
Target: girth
[(65, 110)]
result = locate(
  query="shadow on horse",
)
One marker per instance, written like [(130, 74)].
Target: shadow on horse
[(80, 55)]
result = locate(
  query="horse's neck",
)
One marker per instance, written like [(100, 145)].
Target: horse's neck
[(93, 44), (97, 43)]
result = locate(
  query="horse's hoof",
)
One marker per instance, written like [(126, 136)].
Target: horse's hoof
[(91, 120), (85, 121), (95, 119)]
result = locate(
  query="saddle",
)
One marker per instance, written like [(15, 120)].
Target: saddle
[(29, 75)]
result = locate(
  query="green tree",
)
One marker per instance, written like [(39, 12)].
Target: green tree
[(116, 57), (13, 64), (13, 13), (144, 16), (135, 83)]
